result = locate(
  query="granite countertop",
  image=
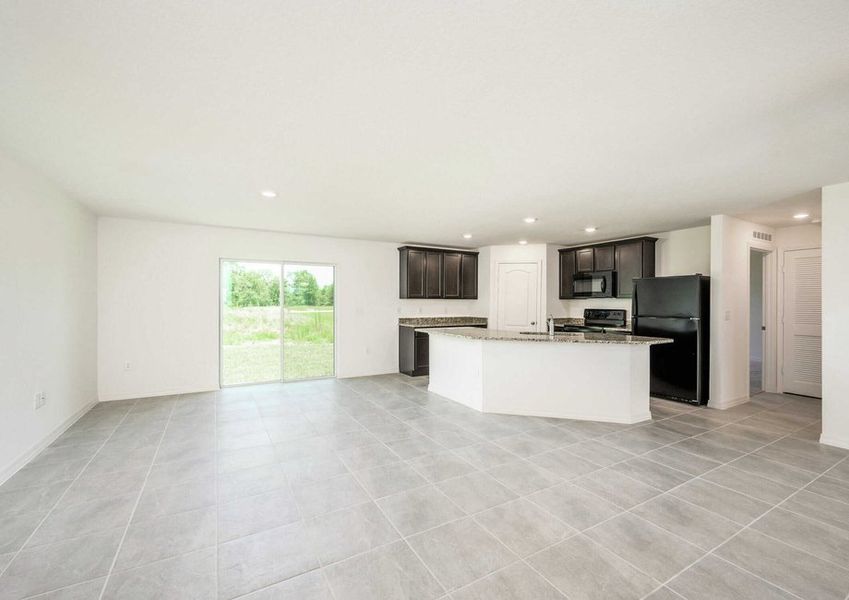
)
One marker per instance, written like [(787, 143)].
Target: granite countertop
[(440, 321), (568, 338)]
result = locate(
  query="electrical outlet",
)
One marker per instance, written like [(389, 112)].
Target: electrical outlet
[(40, 399)]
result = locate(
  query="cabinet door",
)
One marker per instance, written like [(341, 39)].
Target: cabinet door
[(451, 267), (433, 275), (629, 265), (422, 351), (567, 273), (469, 274), (416, 266), (603, 258), (584, 260)]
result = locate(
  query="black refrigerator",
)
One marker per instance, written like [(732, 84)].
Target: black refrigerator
[(677, 308)]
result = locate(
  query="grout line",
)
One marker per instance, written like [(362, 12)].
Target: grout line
[(70, 485), (138, 500)]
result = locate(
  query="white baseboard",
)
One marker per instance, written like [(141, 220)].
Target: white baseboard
[(728, 403), (194, 389), (27, 456), (834, 441)]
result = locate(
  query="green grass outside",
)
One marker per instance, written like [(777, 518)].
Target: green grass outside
[(251, 348)]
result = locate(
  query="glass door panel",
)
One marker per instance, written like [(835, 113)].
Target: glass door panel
[(308, 321), (250, 322)]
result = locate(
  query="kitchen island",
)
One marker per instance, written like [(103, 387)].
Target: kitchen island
[(588, 376)]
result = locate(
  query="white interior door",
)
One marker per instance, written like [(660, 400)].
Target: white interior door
[(518, 296), (802, 320)]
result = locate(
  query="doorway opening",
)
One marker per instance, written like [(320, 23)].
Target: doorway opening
[(277, 322), (757, 320)]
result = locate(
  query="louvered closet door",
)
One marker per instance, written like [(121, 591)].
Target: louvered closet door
[(803, 322)]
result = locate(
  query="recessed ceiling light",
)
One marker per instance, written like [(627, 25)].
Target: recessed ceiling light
[(816, 220), (523, 242), (467, 236), (268, 194), (589, 229), (530, 219), (801, 216)]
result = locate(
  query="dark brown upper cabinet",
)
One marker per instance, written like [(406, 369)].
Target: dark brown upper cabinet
[(634, 259), (584, 260), (452, 263), (437, 273), (630, 259), (568, 268)]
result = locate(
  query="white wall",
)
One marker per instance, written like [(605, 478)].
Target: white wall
[(680, 252), (835, 325), (731, 242), (158, 302), (48, 312)]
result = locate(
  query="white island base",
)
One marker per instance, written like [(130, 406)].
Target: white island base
[(587, 381)]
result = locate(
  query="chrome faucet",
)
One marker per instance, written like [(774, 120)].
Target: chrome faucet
[(550, 325)]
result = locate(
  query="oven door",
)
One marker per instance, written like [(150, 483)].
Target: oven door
[(593, 285)]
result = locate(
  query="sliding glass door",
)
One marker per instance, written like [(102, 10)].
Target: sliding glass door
[(277, 322)]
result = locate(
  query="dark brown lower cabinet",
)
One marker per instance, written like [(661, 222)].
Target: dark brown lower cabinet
[(414, 350)]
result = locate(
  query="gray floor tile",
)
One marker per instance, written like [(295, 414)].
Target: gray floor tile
[(40, 476), (652, 473), (309, 586), (16, 528), (309, 470), (832, 512), (419, 509), (575, 506), (723, 501), (601, 454), (676, 458), (802, 454), (250, 482), (5, 559), (485, 456), (525, 444), (392, 572), (649, 548), (583, 570), (246, 458), (460, 552), (726, 439), (700, 447), (564, 464), (523, 478), (110, 460), (389, 479), (158, 502), (256, 561), (750, 484), (700, 527), (523, 527), (368, 457), (789, 568), (64, 454), (830, 487), (189, 577), (441, 466), (53, 566), (715, 579), (97, 487), (326, 496), (414, 446), (475, 492), (87, 590), (516, 582), (182, 470), (617, 488), (252, 514), (164, 537), (774, 471), (339, 535), (819, 539), (840, 471), (85, 518), (31, 499)]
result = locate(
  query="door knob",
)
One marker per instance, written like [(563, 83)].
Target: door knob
[(533, 322)]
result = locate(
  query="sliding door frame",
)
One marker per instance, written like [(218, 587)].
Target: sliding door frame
[(282, 264)]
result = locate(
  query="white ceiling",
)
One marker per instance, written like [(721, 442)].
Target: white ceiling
[(419, 121)]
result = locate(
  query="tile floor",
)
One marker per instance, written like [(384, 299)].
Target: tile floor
[(372, 488)]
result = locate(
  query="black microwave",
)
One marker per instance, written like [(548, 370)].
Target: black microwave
[(596, 284)]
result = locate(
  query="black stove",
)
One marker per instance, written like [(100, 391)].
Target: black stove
[(598, 320)]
